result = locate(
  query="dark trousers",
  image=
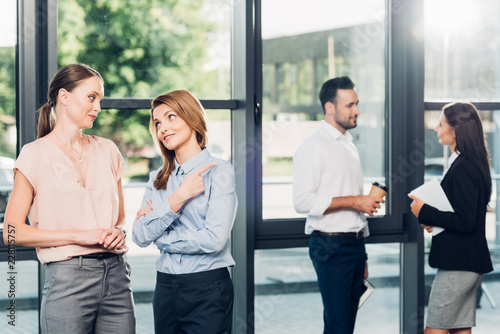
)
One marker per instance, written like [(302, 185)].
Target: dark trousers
[(198, 303), (339, 263)]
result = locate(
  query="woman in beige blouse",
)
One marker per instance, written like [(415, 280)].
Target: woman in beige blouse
[(68, 185)]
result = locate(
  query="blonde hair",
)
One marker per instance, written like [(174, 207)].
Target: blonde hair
[(187, 107)]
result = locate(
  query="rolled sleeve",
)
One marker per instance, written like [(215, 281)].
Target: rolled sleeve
[(319, 208)]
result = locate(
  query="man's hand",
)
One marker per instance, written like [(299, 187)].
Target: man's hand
[(367, 204)]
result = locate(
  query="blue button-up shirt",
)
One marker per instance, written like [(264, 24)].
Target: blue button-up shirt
[(197, 237)]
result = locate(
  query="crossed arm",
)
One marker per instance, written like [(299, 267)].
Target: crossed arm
[(158, 223)]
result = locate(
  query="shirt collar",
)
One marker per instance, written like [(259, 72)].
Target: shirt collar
[(451, 160), (192, 163), (334, 133), (453, 157)]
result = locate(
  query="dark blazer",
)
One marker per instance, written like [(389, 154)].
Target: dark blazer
[(462, 245)]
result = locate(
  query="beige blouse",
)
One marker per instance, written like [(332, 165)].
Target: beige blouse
[(69, 198)]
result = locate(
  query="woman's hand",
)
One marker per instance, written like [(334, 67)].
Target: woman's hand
[(144, 211), (416, 205), (192, 186), (115, 239), (427, 228), (108, 238), (91, 237)]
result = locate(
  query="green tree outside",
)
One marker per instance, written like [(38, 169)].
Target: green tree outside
[(7, 99), (142, 49)]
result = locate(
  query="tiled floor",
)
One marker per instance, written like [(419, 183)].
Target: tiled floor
[(299, 313), (302, 313)]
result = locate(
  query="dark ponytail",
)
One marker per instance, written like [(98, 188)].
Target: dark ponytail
[(471, 142), (68, 78)]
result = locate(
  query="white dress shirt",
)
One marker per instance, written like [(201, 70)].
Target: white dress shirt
[(327, 165), (451, 160)]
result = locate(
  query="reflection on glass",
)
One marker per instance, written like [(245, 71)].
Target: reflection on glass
[(148, 47), (308, 46), (8, 142), (287, 298), (462, 58)]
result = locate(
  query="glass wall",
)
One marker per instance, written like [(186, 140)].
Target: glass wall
[(462, 64), (307, 47), (8, 141), (462, 58), (287, 298), (148, 47), (18, 279), (19, 297)]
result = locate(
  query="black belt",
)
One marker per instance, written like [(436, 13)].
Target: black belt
[(98, 256), (193, 278), (354, 235)]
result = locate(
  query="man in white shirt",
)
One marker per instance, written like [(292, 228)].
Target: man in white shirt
[(328, 187)]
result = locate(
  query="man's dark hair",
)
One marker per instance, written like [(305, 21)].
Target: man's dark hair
[(329, 89)]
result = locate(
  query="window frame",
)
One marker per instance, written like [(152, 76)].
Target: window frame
[(404, 119), (289, 232), (37, 62)]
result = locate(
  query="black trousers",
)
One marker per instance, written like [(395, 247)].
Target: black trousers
[(340, 265), (193, 303)]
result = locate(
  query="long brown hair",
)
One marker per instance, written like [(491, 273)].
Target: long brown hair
[(464, 118), (187, 107), (67, 77)]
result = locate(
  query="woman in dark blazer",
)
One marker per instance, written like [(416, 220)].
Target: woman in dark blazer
[(460, 252)]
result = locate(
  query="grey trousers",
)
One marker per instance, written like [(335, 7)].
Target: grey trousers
[(84, 296)]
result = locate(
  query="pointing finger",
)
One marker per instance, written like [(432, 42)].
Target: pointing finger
[(205, 168)]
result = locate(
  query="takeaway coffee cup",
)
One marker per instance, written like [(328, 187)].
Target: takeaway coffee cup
[(378, 190)]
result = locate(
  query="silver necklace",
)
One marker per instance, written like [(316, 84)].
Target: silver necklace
[(71, 150)]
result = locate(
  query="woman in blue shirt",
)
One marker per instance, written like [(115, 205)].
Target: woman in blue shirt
[(188, 211)]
